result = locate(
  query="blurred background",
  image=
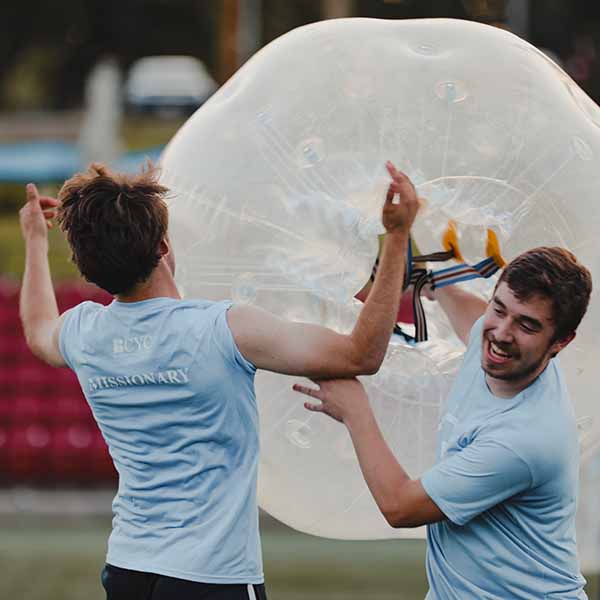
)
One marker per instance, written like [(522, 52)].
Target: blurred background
[(112, 81)]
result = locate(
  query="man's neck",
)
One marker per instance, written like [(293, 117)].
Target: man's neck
[(159, 285), (503, 389)]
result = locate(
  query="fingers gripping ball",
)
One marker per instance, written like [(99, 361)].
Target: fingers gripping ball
[(278, 183)]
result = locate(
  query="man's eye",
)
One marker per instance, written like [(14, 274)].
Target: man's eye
[(527, 329), (499, 312)]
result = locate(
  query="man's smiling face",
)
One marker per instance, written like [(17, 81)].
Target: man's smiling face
[(517, 340)]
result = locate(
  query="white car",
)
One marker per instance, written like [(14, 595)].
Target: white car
[(168, 84)]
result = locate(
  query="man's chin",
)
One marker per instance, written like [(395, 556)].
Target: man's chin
[(511, 375), (495, 372)]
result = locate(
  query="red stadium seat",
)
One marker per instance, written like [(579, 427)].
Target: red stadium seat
[(99, 295), (73, 293), (10, 347), (9, 292), (69, 295), (13, 348), (102, 464), (70, 410), (27, 453), (66, 383), (9, 317), (8, 385), (47, 430), (30, 409), (7, 409), (34, 378), (4, 458), (22, 353), (70, 453)]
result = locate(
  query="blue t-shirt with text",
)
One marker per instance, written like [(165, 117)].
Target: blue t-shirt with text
[(175, 402)]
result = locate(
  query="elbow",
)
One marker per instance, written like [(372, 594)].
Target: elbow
[(30, 333), (399, 520), (394, 518), (37, 349), (364, 360), (371, 368), (401, 513), (392, 511), (363, 368), (393, 515), (368, 364), (32, 344)]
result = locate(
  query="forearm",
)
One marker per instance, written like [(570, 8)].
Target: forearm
[(376, 322), (37, 299), (462, 308), (384, 476)]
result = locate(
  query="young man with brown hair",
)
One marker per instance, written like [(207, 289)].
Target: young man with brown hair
[(171, 381), (500, 502)]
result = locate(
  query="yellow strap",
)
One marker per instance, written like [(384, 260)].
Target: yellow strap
[(450, 242), (492, 249)]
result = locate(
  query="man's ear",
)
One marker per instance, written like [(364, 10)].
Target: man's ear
[(164, 247), (561, 344)]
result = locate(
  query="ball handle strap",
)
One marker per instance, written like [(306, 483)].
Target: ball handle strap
[(437, 279)]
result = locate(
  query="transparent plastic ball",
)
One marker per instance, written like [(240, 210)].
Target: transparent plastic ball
[(277, 185)]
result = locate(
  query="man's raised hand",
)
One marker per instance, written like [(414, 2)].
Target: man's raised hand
[(399, 217), (36, 214)]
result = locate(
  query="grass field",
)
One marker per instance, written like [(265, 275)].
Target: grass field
[(60, 558)]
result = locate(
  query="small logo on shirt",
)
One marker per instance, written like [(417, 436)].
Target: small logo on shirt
[(132, 344)]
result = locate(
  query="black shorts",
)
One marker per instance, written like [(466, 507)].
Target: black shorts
[(123, 584)]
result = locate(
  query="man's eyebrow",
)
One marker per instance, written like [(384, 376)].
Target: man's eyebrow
[(498, 302), (530, 321)]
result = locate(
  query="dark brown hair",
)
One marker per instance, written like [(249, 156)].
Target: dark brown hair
[(114, 224), (553, 273)]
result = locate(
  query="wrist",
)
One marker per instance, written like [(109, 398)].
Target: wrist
[(36, 243), (398, 235), (355, 420)]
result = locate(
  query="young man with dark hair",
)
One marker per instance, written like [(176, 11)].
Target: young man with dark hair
[(500, 502), (171, 382)]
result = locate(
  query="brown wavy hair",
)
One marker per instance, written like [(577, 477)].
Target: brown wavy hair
[(114, 224), (553, 273)]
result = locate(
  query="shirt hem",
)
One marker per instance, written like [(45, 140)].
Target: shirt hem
[(187, 575)]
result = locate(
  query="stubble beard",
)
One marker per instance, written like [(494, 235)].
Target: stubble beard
[(518, 375)]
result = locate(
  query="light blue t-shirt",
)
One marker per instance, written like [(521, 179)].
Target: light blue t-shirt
[(507, 479), (174, 399)]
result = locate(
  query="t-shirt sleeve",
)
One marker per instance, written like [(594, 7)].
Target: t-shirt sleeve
[(476, 479), (223, 337)]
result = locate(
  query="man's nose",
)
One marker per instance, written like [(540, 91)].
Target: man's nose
[(503, 331)]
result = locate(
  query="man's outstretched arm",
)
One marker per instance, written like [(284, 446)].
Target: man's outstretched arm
[(37, 304), (461, 307), (310, 350), (402, 501)]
